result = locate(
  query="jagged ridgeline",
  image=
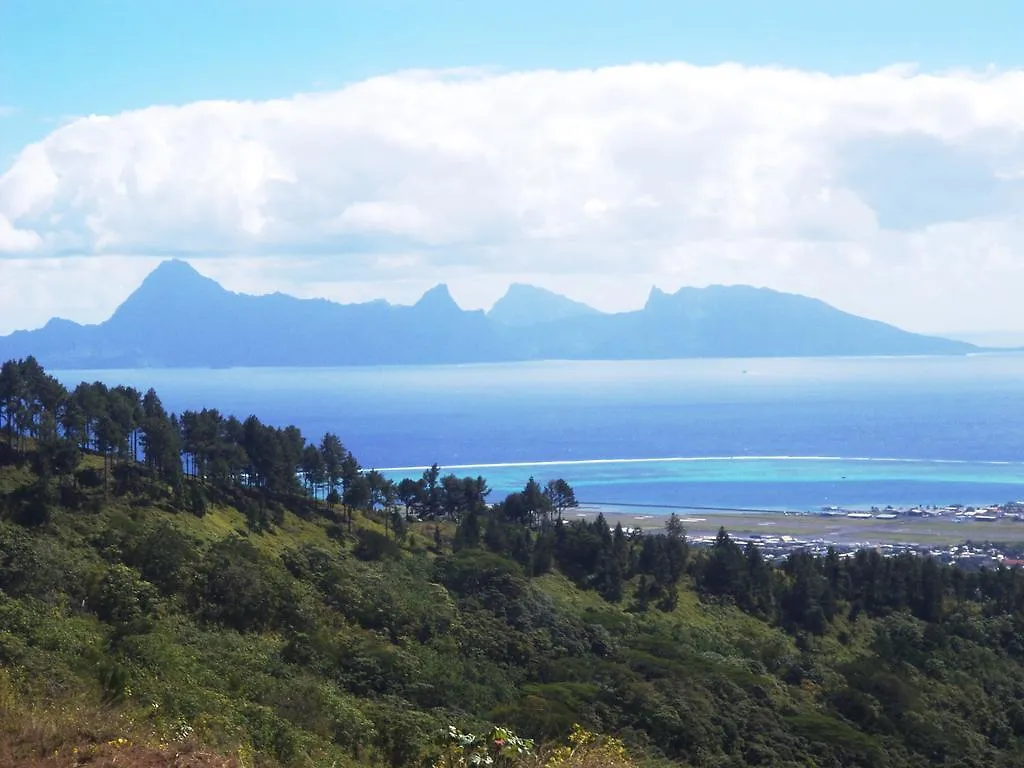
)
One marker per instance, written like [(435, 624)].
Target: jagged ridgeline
[(199, 590), (528, 323)]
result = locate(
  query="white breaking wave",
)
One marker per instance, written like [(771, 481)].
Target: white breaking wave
[(680, 459)]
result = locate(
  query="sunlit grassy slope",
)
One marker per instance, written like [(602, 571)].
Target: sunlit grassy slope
[(132, 630)]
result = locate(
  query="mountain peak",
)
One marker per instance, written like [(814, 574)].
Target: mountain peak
[(525, 289), (175, 277), (60, 324), (657, 298), (525, 305), (174, 288), (438, 299), (175, 272)]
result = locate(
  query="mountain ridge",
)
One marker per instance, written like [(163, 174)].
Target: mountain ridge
[(178, 318)]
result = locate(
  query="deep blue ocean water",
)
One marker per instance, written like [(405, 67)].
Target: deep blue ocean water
[(760, 433)]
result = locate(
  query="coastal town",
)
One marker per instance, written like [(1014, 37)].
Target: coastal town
[(1013, 510), (972, 536), (968, 554)]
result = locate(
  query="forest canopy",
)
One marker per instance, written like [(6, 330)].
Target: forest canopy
[(199, 581)]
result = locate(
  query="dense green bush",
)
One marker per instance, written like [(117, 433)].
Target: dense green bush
[(236, 586), (374, 545)]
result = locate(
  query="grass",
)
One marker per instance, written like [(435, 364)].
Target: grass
[(81, 732), (218, 522), (13, 479), (571, 598)]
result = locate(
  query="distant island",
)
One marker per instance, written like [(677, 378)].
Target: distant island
[(179, 318)]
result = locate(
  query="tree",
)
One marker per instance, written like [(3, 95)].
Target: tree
[(382, 490), (452, 497), (468, 532), (474, 493), (314, 472), (10, 396), (724, 568), (432, 492), (51, 396), (160, 438), (107, 437), (259, 450), (560, 496), (349, 471), (293, 445), (333, 455), (63, 457), (803, 604), (757, 597), (412, 494), (125, 409), (537, 505), (613, 565), (72, 422), (929, 604), (358, 495), (514, 509), (91, 402), (677, 549), (190, 441)]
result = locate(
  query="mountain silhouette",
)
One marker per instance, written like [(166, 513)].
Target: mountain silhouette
[(525, 305), (179, 318)]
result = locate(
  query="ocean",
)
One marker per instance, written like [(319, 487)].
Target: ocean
[(794, 434)]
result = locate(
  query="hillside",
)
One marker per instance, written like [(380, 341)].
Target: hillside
[(178, 318), (171, 593)]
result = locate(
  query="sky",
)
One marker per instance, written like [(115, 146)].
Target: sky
[(870, 154)]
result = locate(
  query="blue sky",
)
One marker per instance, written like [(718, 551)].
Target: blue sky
[(61, 58), (598, 149)]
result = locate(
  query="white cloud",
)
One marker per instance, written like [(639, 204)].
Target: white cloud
[(892, 193), (16, 240), (81, 289)]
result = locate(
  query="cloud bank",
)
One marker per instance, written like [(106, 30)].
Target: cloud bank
[(892, 193)]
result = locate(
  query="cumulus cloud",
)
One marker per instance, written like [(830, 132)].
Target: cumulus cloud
[(82, 289), (17, 240), (865, 190)]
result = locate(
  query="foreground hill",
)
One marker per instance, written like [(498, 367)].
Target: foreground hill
[(226, 617), (178, 318)]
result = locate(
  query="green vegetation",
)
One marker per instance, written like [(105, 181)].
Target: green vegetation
[(200, 583)]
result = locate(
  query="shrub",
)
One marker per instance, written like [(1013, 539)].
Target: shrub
[(373, 545), (89, 477), (163, 555), (455, 749), (28, 567), (237, 587), (121, 596), (589, 750)]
